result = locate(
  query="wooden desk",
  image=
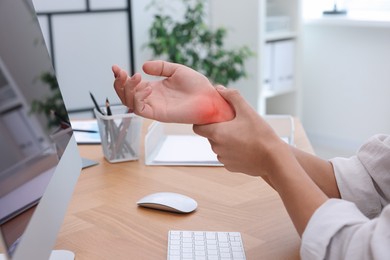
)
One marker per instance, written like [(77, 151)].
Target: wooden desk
[(104, 222)]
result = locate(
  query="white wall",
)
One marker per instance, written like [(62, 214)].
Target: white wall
[(346, 84)]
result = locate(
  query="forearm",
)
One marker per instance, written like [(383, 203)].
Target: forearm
[(300, 195), (320, 171)]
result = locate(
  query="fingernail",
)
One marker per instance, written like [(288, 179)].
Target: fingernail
[(220, 87)]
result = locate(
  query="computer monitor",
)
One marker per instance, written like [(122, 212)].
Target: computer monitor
[(39, 159)]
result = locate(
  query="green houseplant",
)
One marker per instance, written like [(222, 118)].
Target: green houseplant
[(189, 41)]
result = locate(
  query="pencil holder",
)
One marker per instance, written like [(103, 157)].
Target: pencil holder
[(120, 134)]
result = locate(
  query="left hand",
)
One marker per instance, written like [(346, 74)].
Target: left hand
[(183, 96)]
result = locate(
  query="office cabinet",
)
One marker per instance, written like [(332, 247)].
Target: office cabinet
[(271, 29), (279, 67)]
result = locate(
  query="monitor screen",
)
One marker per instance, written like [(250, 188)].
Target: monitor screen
[(39, 160)]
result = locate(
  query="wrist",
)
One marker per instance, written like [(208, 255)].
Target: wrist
[(280, 160), (223, 111)]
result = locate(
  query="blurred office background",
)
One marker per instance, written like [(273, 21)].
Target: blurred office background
[(340, 77), (346, 79)]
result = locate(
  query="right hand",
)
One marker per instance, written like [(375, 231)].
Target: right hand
[(245, 144)]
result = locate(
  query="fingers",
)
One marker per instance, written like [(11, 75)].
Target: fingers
[(119, 74), (120, 79), (142, 91), (124, 85), (209, 131), (142, 108), (160, 68), (234, 98), (217, 132), (129, 89), (115, 69)]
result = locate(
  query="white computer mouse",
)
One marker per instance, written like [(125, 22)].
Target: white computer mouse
[(62, 255), (169, 201)]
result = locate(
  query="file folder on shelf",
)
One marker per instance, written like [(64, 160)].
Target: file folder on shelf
[(177, 144)]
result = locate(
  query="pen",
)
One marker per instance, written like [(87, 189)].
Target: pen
[(95, 103), (108, 107), (84, 131)]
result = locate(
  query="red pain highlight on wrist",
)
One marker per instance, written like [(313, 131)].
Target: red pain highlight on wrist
[(214, 112)]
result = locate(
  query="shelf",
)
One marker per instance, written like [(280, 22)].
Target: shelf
[(274, 93), (275, 37), (282, 35), (350, 20)]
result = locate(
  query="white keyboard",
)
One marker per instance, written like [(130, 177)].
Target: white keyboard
[(205, 245)]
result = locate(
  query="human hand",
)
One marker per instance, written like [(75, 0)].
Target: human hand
[(245, 144), (249, 145), (184, 96)]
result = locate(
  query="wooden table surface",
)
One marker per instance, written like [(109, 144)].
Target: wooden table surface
[(104, 222)]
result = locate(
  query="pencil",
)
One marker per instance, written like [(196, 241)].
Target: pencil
[(108, 107), (96, 104)]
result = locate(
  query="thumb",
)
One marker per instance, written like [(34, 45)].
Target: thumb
[(160, 68), (234, 98)]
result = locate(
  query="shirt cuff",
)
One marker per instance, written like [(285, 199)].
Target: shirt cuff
[(326, 221)]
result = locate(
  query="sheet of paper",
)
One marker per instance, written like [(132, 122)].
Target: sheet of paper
[(183, 149), (84, 137)]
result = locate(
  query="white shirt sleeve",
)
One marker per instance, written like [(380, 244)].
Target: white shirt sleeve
[(358, 226), (365, 178), (338, 230)]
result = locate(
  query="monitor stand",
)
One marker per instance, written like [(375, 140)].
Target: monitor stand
[(62, 255), (88, 163)]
